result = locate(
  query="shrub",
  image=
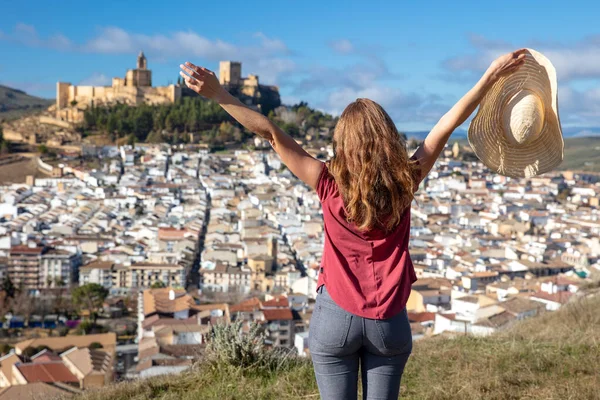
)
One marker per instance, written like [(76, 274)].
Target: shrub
[(230, 346)]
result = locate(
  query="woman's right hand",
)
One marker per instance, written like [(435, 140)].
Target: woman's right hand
[(201, 80), (506, 64)]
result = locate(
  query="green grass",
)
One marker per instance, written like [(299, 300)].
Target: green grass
[(580, 153), (554, 356)]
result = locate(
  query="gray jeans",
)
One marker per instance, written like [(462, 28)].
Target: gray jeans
[(339, 341)]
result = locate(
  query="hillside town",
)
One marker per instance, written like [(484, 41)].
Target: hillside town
[(115, 265)]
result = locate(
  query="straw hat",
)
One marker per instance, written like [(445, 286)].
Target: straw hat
[(516, 131)]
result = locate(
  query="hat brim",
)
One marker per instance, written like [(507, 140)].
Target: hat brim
[(486, 134)]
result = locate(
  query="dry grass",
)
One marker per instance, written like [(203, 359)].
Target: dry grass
[(554, 356)]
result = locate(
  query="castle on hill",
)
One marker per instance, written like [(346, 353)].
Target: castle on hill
[(262, 97), (136, 88)]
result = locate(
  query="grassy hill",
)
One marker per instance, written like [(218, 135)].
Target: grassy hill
[(15, 103), (553, 356), (581, 153)]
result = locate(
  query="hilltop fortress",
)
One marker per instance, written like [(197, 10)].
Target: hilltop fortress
[(262, 97), (136, 88)]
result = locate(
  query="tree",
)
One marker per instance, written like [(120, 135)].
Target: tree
[(142, 124), (8, 287), (3, 143), (91, 297), (158, 285), (155, 137), (43, 149), (112, 124), (5, 348), (131, 140), (23, 304)]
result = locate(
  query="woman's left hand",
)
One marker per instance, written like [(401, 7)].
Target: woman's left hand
[(506, 64)]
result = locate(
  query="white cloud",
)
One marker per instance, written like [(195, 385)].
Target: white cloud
[(274, 45), (115, 40), (402, 107), (579, 107), (578, 60), (96, 79), (342, 46), (27, 35)]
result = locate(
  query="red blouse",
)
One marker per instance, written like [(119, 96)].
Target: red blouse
[(368, 274)]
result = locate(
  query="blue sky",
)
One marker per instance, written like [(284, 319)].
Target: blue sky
[(415, 58)]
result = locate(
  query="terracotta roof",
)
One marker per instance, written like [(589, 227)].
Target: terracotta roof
[(558, 297), (157, 301), (26, 250), (152, 322), (421, 317), (450, 316), (278, 314), (37, 390), (48, 372), (45, 356), (280, 301), (105, 265), (171, 233), (249, 305), (107, 340), (487, 274)]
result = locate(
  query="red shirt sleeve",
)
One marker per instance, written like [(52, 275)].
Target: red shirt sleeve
[(325, 184)]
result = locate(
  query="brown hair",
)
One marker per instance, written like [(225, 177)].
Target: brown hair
[(371, 166)]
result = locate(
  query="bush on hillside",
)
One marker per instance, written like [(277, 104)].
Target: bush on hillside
[(230, 346)]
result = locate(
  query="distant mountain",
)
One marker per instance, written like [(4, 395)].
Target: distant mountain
[(420, 135), (15, 103), (581, 132), (570, 132)]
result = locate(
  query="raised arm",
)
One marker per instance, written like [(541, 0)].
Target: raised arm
[(434, 143), (302, 164)]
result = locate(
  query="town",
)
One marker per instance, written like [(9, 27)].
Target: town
[(119, 271)]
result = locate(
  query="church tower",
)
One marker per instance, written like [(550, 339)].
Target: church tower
[(141, 61), (141, 76)]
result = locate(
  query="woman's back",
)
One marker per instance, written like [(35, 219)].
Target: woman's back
[(368, 273)]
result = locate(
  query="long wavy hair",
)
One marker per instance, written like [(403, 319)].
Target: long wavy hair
[(371, 167)]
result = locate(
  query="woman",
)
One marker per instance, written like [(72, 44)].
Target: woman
[(365, 191)]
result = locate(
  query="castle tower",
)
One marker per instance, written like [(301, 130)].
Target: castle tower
[(230, 73), (142, 63), (141, 76)]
